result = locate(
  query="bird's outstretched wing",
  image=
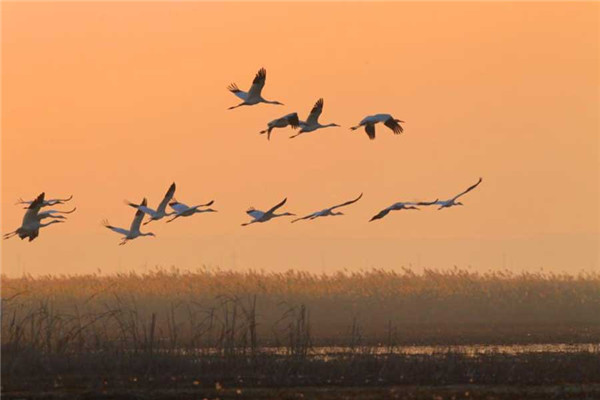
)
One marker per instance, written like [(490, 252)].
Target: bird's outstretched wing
[(394, 125), (137, 219), (370, 129), (273, 209), (293, 120), (168, 197), (233, 88), (258, 83), (114, 228), (178, 207), (144, 209), (347, 203), (381, 214), (254, 213), (468, 190), (316, 111)]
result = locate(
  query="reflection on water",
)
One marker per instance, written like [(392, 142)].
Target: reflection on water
[(471, 350), (468, 350)]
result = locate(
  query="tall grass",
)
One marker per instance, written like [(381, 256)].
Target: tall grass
[(223, 321), (240, 311)]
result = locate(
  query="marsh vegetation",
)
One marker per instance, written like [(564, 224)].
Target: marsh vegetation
[(206, 329)]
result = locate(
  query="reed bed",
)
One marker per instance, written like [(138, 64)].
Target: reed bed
[(221, 322), (224, 309)]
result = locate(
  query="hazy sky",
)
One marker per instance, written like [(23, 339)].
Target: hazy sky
[(114, 101)]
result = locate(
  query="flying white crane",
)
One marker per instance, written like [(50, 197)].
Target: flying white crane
[(312, 122), (370, 121), (46, 203), (289, 119), (401, 206), (134, 230), (161, 210), (452, 202), (261, 216), (31, 230), (31, 223), (183, 210), (328, 211), (252, 96)]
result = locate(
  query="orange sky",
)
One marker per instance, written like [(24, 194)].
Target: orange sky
[(114, 101)]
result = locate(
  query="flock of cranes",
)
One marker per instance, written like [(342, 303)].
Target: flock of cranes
[(32, 220), (254, 96)]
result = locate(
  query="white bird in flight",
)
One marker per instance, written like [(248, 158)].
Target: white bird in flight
[(46, 203), (33, 227), (161, 210), (252, 96), (312, 122), (401, 206), (261, 216), (370, 121), (31, 230), (134, 230), (287, 120), (452, 202), (328, 211), (31, 224), (183, 210)]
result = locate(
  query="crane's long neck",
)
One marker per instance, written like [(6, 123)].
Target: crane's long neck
[(42, 216), (271, 101), (50, 223)]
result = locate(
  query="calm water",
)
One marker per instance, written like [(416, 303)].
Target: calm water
[(469, 350)]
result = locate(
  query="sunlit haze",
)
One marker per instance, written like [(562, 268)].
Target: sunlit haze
[(114, 101)]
